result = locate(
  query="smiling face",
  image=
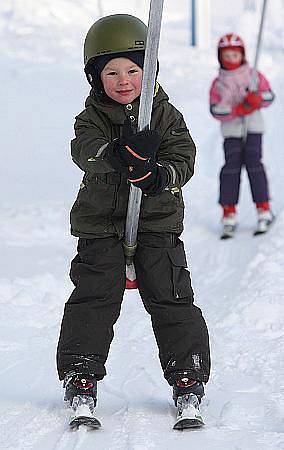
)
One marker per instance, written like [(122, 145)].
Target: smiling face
[(122, 80)]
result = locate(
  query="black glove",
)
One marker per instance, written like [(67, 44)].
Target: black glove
[(112, 155), (150, 178), (136, 148), (132, 149)]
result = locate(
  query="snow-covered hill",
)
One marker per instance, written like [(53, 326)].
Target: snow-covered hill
[(239, 284)]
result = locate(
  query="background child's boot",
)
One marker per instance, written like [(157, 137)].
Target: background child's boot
[(264, 217), (229, 221)]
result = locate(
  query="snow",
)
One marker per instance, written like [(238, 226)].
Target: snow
[(239, 284)]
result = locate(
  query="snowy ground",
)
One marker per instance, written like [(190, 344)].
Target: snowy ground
[(239, 284)]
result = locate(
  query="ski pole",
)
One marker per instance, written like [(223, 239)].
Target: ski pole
[(253, 82), (144, 118)]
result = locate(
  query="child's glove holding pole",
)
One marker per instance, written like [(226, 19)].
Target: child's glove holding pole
[(135, 155), (252, 101), (150, 178), (137, 148)]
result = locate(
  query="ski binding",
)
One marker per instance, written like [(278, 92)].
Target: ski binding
[(188, 412), (83, 407)]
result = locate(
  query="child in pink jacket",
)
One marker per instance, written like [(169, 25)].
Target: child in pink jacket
[(230, 101)]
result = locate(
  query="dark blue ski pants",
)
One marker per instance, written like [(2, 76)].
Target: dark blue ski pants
[(238, 155)]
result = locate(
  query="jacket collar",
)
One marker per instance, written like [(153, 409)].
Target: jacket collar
[(117, 112)]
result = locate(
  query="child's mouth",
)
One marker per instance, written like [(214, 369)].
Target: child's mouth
[(124, 92)]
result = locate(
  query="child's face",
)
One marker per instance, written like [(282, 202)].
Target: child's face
[(232, 56), (122, 80)]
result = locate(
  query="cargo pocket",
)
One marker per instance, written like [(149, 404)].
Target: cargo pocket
[(102, 192), (180, 275)]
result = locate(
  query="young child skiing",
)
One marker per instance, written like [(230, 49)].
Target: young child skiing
[(112, 155), (231, 100)]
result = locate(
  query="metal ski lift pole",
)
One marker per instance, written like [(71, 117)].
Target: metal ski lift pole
[(253, 83), (144, 118)]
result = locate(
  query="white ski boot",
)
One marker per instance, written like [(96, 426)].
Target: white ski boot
[(265, 219), (229, 226)]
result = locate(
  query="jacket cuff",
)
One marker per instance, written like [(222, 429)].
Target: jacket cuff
[(172, 175)]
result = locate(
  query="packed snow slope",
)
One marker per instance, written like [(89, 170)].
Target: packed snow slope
[(238, 284)]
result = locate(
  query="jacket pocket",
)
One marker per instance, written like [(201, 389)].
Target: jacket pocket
[(101, 192), (181, 277)]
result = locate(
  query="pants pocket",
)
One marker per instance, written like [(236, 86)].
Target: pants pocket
[(181, 276)]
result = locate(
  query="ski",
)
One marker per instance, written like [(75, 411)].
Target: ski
[(188, 413), (89, 422), (83, 407)]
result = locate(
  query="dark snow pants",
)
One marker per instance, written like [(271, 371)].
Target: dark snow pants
[(98, 273), (236, 156)]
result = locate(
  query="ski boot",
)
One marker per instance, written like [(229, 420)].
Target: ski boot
[(187, 394), (81, 393), (264, 220), (229, 224)]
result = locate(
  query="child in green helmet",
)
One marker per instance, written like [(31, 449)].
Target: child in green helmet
[(113, 155)]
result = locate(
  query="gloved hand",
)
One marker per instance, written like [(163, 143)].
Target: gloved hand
[(136, 148), (132, 149), (112, 155), (251, 102), (253, 99), (151, 178)]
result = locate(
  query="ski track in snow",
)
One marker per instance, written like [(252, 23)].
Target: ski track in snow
[(239, 284), (245, 318)]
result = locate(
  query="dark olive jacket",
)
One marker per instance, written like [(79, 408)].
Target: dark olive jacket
[(101, 205)]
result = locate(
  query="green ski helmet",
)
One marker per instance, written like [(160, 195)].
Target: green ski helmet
[(114, 34)]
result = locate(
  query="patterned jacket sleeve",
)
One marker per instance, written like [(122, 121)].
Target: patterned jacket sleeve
[(219, 110), (265, 90)]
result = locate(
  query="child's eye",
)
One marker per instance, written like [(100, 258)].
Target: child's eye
[(133, 71), (111, 73)]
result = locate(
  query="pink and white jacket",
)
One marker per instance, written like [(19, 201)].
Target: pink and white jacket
[(228, 90)]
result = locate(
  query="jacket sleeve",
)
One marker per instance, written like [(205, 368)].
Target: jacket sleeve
[(265, 90), (89, 144), (177, 150), (220, 109)]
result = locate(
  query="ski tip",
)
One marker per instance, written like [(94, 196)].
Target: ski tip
[(258, 233), (226, 236), (89, 422), (188, 423)]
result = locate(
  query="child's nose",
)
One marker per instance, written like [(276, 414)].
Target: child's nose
[(123, 79)]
